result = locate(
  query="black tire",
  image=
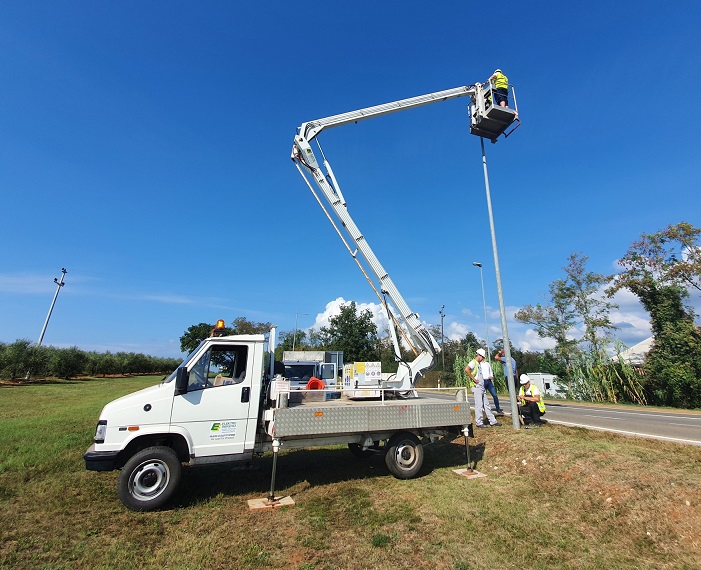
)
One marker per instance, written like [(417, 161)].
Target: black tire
[(148, 480), (405, 455), (357, 450)]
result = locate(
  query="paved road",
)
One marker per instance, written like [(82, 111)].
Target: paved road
[(678, 426)]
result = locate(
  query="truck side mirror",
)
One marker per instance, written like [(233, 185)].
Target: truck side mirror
[(182, 379)]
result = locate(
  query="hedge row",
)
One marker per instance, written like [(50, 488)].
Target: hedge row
[(23, 358)]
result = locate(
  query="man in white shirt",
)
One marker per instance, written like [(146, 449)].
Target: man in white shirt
[(474, 372)]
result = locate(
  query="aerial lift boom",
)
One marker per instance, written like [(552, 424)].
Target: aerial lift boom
[(487, 121)]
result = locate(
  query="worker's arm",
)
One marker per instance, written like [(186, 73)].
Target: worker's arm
[(468, 371), (533, 398)]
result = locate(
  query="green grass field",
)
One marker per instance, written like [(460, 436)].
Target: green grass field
[(553, 498)]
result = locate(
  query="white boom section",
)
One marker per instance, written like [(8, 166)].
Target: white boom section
[(303, 155)]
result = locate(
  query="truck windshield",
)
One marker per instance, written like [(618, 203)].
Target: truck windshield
[(183, 363), (299, 372)]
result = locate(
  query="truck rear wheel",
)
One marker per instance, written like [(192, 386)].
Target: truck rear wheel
[(405, 455), (148, 480)]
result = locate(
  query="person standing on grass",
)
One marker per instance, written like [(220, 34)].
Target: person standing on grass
[(488, 375), (474, 373), (501, 357), (530, 403)]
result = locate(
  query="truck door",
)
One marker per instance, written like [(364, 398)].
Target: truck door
[(217, 406), (329, 374)]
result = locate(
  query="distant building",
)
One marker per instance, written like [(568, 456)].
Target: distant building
[(635, 355)]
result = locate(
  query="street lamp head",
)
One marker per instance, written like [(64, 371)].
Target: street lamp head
[(476, 264)]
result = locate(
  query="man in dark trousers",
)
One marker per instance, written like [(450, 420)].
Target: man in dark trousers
[(530, 402)]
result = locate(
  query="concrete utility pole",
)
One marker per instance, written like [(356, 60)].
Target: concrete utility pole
[(500, 294), (59, 284)]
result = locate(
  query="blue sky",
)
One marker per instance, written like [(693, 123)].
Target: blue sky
[(145, 147)]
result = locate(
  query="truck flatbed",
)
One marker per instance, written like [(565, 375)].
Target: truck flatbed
[(309, 417)]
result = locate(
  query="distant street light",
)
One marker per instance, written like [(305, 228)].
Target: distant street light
[(294, 336), (442, 314), (484, 304), (59, 284)]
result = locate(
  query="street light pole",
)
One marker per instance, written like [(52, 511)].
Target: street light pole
[(442, 314), (500, 294), (59, 284), (294, 336), (484, 304)]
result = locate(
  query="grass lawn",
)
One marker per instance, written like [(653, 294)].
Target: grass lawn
[(553, 498)]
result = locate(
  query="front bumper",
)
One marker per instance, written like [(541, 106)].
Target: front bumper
[(100, 460)]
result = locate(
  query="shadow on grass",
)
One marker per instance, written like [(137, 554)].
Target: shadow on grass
[(305, 468)]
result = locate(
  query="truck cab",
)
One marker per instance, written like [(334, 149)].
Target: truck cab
[(207, 409)]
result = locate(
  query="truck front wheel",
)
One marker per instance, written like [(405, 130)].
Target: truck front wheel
[(148, 480), (405, 455)]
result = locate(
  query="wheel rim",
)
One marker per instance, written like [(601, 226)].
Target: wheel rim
[(406, 455), (149, 480)]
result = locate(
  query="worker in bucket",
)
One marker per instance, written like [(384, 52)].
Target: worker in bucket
[(530, 402), (501, 88), (475, 374)]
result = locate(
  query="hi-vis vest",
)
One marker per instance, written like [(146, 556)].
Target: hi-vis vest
[(501, 81), (475, 367), (534, 392)]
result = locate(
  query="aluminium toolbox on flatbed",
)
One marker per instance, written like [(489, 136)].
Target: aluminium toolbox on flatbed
[(346, 416)]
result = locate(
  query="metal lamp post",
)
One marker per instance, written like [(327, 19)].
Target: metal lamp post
[(484, 304), (294, 336), (59, 284), (500, 294)]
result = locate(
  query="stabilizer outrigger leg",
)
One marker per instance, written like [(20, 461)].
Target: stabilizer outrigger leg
[(271, 501)]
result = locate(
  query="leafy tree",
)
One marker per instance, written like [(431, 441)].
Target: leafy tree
[(555, 320), (590, 309), (574, 301), (472, 342), (21, 357), (658, 268), (241, 325), (670, 256), (67, 362), (352, 332), (195, 334)]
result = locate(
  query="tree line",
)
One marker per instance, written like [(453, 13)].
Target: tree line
[(22, 359)]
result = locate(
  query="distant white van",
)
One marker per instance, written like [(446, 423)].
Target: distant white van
[(547, 384)]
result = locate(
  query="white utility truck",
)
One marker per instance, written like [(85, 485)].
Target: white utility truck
[(228, 401), (303, 365)]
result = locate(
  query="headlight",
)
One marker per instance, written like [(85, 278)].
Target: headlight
[(100, 431)]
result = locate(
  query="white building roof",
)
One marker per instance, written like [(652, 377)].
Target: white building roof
[(635, 355)]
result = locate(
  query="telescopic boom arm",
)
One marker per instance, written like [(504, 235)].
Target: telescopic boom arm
[(418, 337)]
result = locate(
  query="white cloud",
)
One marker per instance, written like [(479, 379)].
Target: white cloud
[(455, 330), (530, 341), (333, 308)]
